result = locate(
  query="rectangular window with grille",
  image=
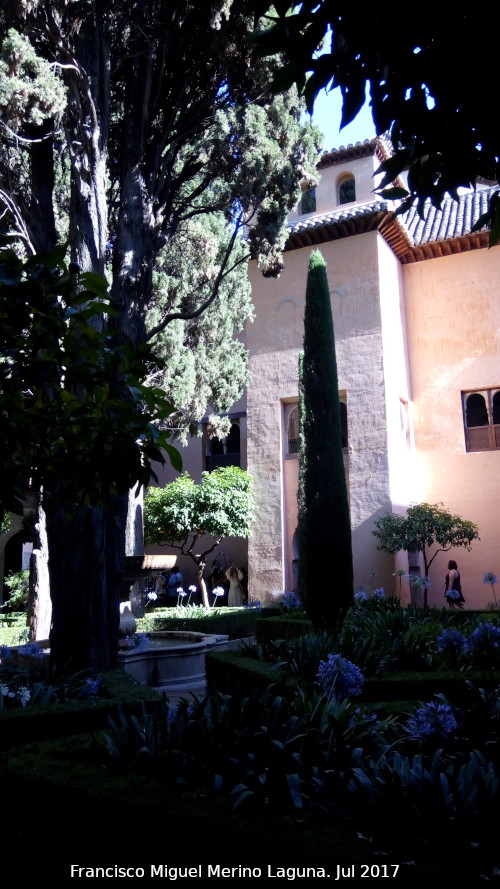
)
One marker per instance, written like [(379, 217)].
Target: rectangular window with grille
[(481, 410)]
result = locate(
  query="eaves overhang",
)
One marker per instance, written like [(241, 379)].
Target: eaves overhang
[(441, 232)]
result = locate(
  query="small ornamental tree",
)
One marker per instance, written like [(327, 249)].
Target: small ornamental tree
[(183, 512), (423, 527), (324, 529)]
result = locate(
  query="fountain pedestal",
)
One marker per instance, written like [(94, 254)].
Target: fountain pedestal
[(174, 661)]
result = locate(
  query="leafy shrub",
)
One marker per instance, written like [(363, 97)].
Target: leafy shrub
[(301, 654), (17, 584), (257, 750), (381, 637)]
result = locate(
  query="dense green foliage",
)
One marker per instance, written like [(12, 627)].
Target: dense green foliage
[(324, 529), (424, 526), (17, 584), (201, 359), (65, 424), (137, 122), (183, 512), (421, 91)]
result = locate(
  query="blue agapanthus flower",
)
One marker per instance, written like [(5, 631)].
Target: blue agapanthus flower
[(31, 649), (172, 713), (379, 592), (363, 718), (24, 695), (5, 652), (339, 676), (452, 641), (484, 643), (486, 634), (92, 686), (490, 577), (433, 720), (291, 601), (218, 591), (360, 596), (137, 643)]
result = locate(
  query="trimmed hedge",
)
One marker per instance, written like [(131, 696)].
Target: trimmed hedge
[(235, 623), (22, 725), (282, 627), (238, 672)]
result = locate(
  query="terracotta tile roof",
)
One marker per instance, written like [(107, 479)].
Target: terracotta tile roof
[(441, 232), (341, 215), (343, 222), (453, 220), (380, 146)]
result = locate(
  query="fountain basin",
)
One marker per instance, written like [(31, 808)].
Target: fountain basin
[(174, 660)]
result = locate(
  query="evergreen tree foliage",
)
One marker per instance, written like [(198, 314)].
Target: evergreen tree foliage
[(139, 119), (201, 360), (324, 530)]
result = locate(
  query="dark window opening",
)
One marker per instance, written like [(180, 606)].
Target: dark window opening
[(347, 190), (343, 423), (308, 202), (225, 451), (482, 420), (476, 413)]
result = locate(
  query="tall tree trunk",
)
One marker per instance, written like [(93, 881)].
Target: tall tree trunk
[(89, 102), (39, 604), (42, 222), (87, 544), (86, 552)]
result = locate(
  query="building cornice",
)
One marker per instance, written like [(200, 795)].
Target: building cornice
[(441, 232)]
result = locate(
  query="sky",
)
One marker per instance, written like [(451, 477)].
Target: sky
[(327, 115)]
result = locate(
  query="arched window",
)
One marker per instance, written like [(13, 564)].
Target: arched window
[(482, 420), (346, 189), (293, 431), (476, 413), (308, 202)]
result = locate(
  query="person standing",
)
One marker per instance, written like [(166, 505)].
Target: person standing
[(235, 595), (175, 581), (453, 588)]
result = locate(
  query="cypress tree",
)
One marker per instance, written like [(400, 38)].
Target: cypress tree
[(324, 528)]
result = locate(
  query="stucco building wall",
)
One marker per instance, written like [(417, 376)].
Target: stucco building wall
[(364, 280), (417, 324), (453, 333)]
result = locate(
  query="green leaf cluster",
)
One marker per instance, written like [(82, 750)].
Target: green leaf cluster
[(74, 414), (30, 90), (422, 92), (181, 512), (424, 526)]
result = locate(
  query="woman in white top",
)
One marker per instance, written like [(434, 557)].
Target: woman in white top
[(235, 595)]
